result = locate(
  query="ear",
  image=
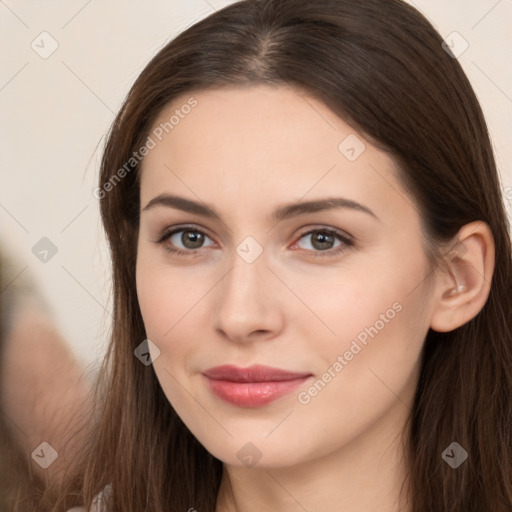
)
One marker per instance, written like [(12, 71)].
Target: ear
[(462, 288)]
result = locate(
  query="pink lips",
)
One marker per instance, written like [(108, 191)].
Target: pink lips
[(254, 386)]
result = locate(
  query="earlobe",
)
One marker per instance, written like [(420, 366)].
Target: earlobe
[(464, 282)]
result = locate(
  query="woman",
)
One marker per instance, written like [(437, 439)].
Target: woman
[(312, 273)]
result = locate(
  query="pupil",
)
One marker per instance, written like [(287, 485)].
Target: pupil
[(192, 239), (323, 240)]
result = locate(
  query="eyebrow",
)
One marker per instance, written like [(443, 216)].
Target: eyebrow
[(282, 212)]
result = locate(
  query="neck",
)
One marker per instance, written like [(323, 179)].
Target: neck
[(363, 475)]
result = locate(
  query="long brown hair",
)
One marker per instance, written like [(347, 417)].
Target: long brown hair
[(380, 66)]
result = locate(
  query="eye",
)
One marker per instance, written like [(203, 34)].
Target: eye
[(325, 240), (184, 240)]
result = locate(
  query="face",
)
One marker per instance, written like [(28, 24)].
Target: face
[(281, 274)]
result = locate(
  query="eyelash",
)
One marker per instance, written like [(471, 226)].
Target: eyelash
[(346, 242)]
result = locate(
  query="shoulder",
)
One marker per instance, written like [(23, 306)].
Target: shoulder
[(98, 503)]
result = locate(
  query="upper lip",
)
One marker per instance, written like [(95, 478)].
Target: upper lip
[(256, 373)]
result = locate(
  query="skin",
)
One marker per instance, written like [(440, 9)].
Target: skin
[(244, 152)]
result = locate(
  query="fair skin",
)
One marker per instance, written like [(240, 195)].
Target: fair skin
[(245, 152)]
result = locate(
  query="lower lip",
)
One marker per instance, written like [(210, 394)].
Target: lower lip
[(253, 394)]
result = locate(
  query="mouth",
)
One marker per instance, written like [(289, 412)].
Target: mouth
[(254, 386)]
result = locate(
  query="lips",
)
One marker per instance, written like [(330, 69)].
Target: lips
[(255, 373), (254, 386)]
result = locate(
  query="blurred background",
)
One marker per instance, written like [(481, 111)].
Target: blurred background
[(66, 68)]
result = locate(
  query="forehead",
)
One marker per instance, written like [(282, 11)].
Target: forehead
[(232, 122), (260, 143)]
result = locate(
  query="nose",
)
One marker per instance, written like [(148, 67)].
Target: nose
[(249, 304)]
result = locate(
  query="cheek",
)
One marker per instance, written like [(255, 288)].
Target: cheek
[(153, 301), (376, 353), (367, 300), (166, 295), (380, 320), (168, 304), (362, 383)]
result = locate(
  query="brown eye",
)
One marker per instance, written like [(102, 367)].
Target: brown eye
[(325, 242), (185, 240), (321, 240), (192, 239)]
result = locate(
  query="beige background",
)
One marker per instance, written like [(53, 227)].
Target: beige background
[(56, 110)]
